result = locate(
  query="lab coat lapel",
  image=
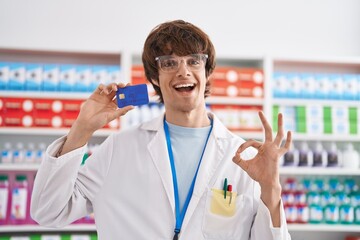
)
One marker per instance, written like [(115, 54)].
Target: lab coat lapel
[(158, 151), (213, 155)]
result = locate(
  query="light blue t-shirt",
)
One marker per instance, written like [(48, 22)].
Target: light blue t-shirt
[(187, 146)]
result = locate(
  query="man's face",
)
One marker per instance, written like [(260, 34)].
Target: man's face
[(182, 81)]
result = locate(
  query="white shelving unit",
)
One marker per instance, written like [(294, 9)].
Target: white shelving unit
[(323, 228), (319, 171), (268, 64), (316, 66), (37, 228)]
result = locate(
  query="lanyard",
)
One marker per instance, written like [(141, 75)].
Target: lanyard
[(180, 215)]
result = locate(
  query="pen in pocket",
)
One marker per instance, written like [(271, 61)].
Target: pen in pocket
[(225, 187), (229, 188)]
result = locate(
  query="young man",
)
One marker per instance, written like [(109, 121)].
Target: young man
[(175, 177)]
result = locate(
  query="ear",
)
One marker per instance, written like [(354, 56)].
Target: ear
[(155, 82)]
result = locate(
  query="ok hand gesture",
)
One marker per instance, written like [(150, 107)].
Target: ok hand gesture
[(264, 167)]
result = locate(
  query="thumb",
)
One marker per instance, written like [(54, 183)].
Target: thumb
[(122, 111), (240, 162)]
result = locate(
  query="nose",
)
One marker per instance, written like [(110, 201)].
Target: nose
[(183, 70)]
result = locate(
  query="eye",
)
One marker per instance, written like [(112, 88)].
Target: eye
[(169, 63), (194, 61)]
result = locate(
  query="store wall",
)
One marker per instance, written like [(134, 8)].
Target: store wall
[(237, 27)]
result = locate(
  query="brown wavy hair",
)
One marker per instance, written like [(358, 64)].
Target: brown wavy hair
[(180, 38)]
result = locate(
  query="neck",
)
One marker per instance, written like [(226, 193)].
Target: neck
[(193, 119)]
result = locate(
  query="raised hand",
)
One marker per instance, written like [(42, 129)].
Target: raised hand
[(264, 167), (101, 108), (97, 111)]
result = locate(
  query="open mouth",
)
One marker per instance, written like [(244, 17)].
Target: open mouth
[(185, 87)]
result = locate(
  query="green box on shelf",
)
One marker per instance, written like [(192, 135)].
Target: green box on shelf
[(353, 115), (276, 110), (35, 237), (301, 126), (353, 127), (327, 114), (65, 237), (328, 127), (300, 114)]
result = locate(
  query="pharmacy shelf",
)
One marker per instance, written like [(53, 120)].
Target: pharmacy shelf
[(226, 101), (326, 137), (49, 131), (283, 170), (19, 166), (37, 228), (324, 228), (316, 171), (315, 102), (249, 135), (235, 101), (46, 95), (304, 137), (317, 60)]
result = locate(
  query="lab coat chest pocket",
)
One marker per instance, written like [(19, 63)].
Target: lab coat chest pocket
[(227, 221)]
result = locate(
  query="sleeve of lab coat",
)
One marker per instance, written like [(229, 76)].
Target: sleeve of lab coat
[(263, 229), (63, 189)]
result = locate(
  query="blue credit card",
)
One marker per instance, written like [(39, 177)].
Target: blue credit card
[(132, 95)]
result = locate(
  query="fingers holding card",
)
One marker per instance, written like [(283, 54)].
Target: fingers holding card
[(134, 95)]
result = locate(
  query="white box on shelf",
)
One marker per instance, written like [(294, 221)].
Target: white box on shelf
[(51, 75), (67, 78), (82, 78), (33, 77), (4, 75), (17, 76)]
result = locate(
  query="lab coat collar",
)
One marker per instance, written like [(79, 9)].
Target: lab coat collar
[(219, 130)]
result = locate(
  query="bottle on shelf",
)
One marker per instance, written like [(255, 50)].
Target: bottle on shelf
[(7, 153), (351, 157), (305, 155), (30, 154), (355, 201), (291, 158), (314, 202), (18, 154), (40, 153), (4, 199), (19, 200), (319, 155), (301, 205), (346, 212), (334, 156)]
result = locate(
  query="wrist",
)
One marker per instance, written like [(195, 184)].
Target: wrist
[(77, 137), (271, 195)]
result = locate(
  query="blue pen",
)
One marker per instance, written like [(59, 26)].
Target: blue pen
[(225, 187)]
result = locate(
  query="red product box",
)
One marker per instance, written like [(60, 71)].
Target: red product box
[(45, 113), (2, 113), (70, 111), (12, 113), (238, 82)]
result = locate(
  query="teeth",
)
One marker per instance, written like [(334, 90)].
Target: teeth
[(185, 85)]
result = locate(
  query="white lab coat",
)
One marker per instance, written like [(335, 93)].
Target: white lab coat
[(127, 183)]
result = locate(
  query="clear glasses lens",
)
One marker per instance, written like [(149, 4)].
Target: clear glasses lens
[(193, 62)]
